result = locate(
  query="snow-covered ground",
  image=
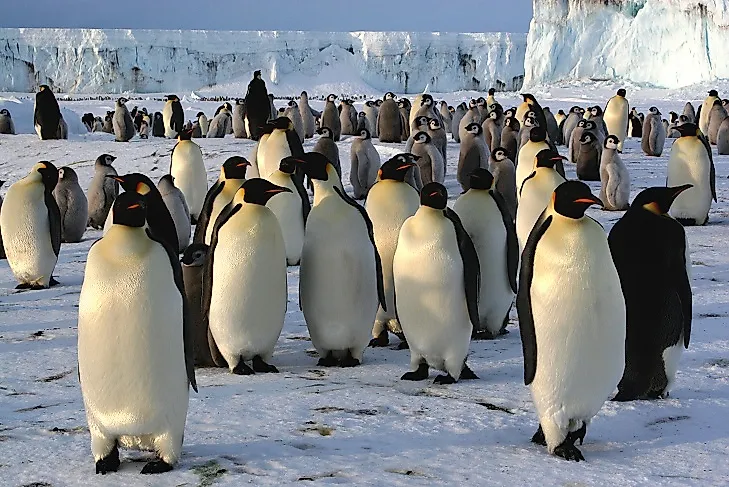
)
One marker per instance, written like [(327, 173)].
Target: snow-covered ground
[(360, 426)]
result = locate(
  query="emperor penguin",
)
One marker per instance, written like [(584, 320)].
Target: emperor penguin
[(473, 154), (419, 124), (488, 222), (258, 106), (30, 224), (504, 172), (635, 124), (283, 142), (370, 112), (573, 335), (173, 116), (654, 134), (671, 131), (651, 254), (560, 117), (123, 124), (526, 129), (456, 121), (436, 275), (204, 124), (446, 116), (7, 126), (597, 116), (292, 113), (339, 311), (705, 110), (363, 123), (403, 105), (471, 116), (535, 193), (691, 162), (426, 107), (232, 177), (526, 162), (614, 177), (330, 118), (246, 316), (345, 118), (365, 163), (72, 204), (239, 119), (389, 123), (430, 162), (2, 247), (716, 116), (510, 137), (47, 118), (573, 146), (258, 152), (390, 202), (439, 137), (570, 124), (108, 127), (689, 111), (493, 126), (532, 106), (326, 146), (103, 191), (188, 170), (158, 125), (552, 126), (221, 124), (272, 106), (491, 98), (175, 201), (722, 138), (147, 296), (291, 208), (307, 117), (589, 156)]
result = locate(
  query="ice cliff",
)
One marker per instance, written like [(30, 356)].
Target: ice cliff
[(149, 61)]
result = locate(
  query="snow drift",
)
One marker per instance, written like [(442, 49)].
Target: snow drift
[(665, 43), (152, 61)]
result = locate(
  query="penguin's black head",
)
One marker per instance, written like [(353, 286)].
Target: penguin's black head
[(537, 134), (396, 168), (304, 94), (49, 174), (474, 128), (426, 100), (481, 179), (498, 154), (235, 167), (46, 87), (122, 101), (158, 115), (596, 111), (5, 112), (682, 119), (421, 121), (434, 124), (509, 113), (590, 125), (717, 103), (171, 98), (314, 165), (257, 74), (364, 134), (292, 103), (529, 98), (331, 97), (389, 96), (472, 104), (582, 123), (530, 122), (434, 195), (423, 137), (711, 93), (451, 109), (674, 117), (622, 92), (258, 191), (656, 111), (611, 142), (688, 130), (267, 128), (325, 132), (586, 138), (67, 174), (561, 112), (463, 106), (548, 158), (185, 135), (573, 198), (135, 183), (658, 200), (379, 103), (282, 123), (369, 103), (130, 210), (288, 165), (105, 159), (492, 91), (195, 255), (512, 123), (481, 101)]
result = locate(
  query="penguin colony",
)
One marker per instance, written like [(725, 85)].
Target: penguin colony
[(433, 276)]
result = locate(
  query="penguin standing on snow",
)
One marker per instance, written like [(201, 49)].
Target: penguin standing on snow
[(616, 117), (527, 161), (493, 126), (570, 124), (330, 118), (705, 110), (30, 223), (458, 115), (446, 116), (389, 121), (102, 191), (123, 410), (173, 117), (439, 137), (365, 163), (430, 162), (573, 334), (246, 319), (345, 118), (175, 201), (307, 117), (552, 127), (158, 125), (716, 116), (436, 276), (258, 106), (473, 154), (651, 254), (328, 148), (47, 118), (510, 137), (291, 208), (588, 157), (239, 119), (614, 177), (487, 221), (193, 264), (72, 204), (690, 113), (292, 113), (635, 124), (222, 123), (123, 124), (504, 173), (7, 126), (370, 112), (188, 170), (282, 143)]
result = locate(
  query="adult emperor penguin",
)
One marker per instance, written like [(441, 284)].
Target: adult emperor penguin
[(188, 170), (691, 162), (232, 177), (330, 118), (102, 190), (488, 222), (121, 409), (173, 116), (306, 116), (339, 310), (527, 160), (7, 126), (30, 223), (651, 254), (72, 204), (654, 133), (614, 177), (430, 162), (473, 154), (282, 143), (47, 118), (389, 122), (390, 202), (365, 163), (258, 106), (370, 111), (292, 113), (239, 119), (246, 319), (716, 116), (705, 110), (616, 117), (456, 121), (573, 335), (193, 265), (291, 208), (436, 276), (510, 137), (123, 124), (326, 146), (588, 158), (504, 173), (175, 201), (202, 120)]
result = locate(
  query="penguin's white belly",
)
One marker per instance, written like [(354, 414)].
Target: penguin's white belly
[(288, 211), (526, 163), (188, 169), (616, 120), (277, 148), (535, 198), (26, 234), (685, 167), (167, 120), (249, 292)]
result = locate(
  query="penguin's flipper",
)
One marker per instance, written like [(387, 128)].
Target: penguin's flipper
[(295, 146), (187, 325), (471, 267), (305, 203), (371, 232), (524, 300), (203, 219), (207, 292), (178, 117), (54, 220), (683, 287), (172, 154), (512, 243)]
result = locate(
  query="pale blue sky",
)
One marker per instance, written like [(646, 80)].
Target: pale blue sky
[(333, 15)]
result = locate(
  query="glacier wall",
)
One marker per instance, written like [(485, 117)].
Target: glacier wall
[(152, 61), (664, 43)]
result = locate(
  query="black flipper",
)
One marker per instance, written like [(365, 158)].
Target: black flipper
[(512, 243), (685, 295), (712, 169), (524, 300), (203, 220), (172, 154), (187, 333), (533, 174), (371, 232), (54, 219), (305, 203), (471, 267)]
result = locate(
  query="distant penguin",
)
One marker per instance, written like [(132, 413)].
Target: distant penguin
[(144, 130), (330, 118), (404, 107), (424, 107), (504, 172), (173, 116), (573, 145), (430, 162), (491, 99), (175, 201), (471, 116), (188, 170), (473, 154), (158, 125), (123, 124), (436, 276), (291, 208), (493, 126), (651, 254), (258, 106), (570, 124), (390, 202), (47, 118), (389, 122), (614, 177), (722, 138), (220, 125), (370, 112), (526, 129), (108, 126), (244, 293), (716, 116), (99, 125), (560, 117), (365, 163), (446, 116), (193, 264), (574, 353), (439, 137), (133, 279), (345, 118), (328, 148), (30, 224), (489, 223), (691, 162), (526, 162), (635, 124), (306, 116), (87, 119), (72, 204), (292, 113), (239, 119), (203, 123), (510, 137), (456, 121), (671, 131), (552, 127), (419, 124), (363, 123), (706, 110), (589, 157), (283, 142), (654, 134), (689, 111), (103, 190), (7, 126)]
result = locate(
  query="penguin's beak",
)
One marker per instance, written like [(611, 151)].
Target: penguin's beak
[(278, 190), (406, 166), (558, 158), (116, 178), (590, 200), (134, 206)]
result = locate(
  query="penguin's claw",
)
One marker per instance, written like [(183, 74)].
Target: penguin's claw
[(444, 379), (467, 373), (260, 366), (109, 463), (420, 374), (242, 369), (569, 452), (349, 361), (157, 466), (382, 340), (328, 361), (403, 345)]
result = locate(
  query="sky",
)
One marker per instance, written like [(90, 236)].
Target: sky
[(320, 15)]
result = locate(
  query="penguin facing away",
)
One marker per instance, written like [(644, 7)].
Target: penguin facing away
[(188, 169), (102, 191), (654, 133), (473, 154), (72, 204), (616, 117), (6, 122), (330, 118), (173, 117), (306, 116), (158, 125), (239, 119), (193, 260), (389, 121), (365, 163), (174, 199), (47, 117), (716, 116), (258, 106), (326, 146), (614, 177)]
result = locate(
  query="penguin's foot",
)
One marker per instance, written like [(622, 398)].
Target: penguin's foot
[(579, 434), (156, 466), (22, 285), (109, 463), (38, 287), (569, 451), (53, 282), (444, 379), (467, 373), (242, 369), (403, 345), (420, 374), (349, 361), (382, 340), (328, 361), (539, 438), (686, 222), (260, 366), (482, 335), (624, 395)]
